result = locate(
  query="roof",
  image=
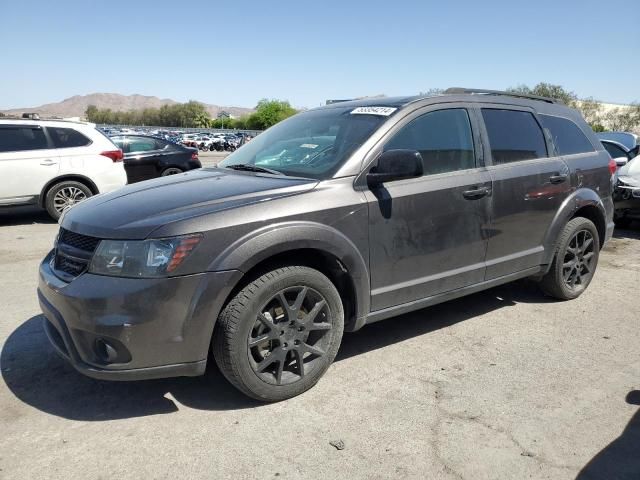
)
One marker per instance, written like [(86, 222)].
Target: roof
[(42, 121)]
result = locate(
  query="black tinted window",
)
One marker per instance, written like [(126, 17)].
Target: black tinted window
[(566, 135), (614, 150), (14, 139), (513, 135), (141, 144), (67, 137), (119, 142), (443, 138)]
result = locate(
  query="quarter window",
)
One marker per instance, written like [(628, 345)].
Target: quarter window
[(514, 136), (567, 136), (67, 137), (18, 138), (443, 138)]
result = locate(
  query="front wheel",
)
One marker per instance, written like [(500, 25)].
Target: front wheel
[(280, 333), (575, 262)]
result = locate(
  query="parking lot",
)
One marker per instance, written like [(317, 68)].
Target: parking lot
[(502, 384)]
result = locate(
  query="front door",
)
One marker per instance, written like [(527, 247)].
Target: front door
[(427, 234)]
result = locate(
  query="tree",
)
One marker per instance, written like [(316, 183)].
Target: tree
[(268, 113), (548, 90), (622, 118)]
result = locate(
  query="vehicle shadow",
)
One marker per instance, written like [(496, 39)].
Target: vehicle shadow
[(37, 376), (24, 216), (621, 458)]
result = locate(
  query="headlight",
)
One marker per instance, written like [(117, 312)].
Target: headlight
[(142, 258)]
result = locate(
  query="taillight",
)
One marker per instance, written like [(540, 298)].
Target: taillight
[(613, 166), (114, 155), (194, 156)]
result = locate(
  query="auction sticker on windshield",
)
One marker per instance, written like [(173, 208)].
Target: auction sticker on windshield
[(384, 111)]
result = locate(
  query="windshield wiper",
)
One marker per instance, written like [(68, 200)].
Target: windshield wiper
[(253, 168)]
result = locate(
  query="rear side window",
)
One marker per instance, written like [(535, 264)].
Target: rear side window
[(443, 138), (513, 135), (566, 135), (139, 144), (18, 138), (118, 142), (67, 137)]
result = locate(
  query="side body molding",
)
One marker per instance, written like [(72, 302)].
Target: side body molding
[(580, 198), (251, 249)]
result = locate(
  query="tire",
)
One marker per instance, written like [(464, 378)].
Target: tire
[(171, 171), (574, 263), (254, 322), (622, 222), (64, 195)]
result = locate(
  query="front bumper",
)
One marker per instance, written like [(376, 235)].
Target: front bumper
[(154, 327)]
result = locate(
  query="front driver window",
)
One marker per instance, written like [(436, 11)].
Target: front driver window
[(443, 138)]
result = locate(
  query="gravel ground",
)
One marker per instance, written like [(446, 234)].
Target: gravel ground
[(504, 384)]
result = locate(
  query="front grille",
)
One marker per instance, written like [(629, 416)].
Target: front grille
[(73, 254), (82, 242)]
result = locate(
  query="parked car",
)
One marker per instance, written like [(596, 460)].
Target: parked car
[(628, 139), (149, 157), (55, 164), (626, 196), (619, 152), (266, 260)]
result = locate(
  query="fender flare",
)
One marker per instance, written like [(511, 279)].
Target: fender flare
[(259, 245), (580, 198)]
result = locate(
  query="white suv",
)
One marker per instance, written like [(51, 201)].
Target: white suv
[(56, 163)]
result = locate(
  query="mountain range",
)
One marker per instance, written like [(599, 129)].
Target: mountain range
[(76, 106)]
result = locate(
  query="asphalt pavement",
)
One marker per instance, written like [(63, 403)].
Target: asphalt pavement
[(504, 384)]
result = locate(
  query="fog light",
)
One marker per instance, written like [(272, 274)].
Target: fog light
[(105, 352)]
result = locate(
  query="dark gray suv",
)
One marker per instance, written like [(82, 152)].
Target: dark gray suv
[(335, 218)]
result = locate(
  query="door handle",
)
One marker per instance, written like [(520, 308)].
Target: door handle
[(48, 162), (558, 177), (475, 193)]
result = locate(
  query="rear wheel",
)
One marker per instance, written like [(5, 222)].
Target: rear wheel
[(171, 171), (279, 334), (64, 195), (575, 262)]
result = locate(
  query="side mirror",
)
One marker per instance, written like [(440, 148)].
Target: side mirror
[(395, 165), (621, 161)]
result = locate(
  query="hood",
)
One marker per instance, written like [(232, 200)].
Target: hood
[(135, 211)]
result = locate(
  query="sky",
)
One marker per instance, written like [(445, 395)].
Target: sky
[(235, 53)]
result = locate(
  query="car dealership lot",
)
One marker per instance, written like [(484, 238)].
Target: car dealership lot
[(501, 384)]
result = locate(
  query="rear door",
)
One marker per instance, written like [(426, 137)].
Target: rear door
[(530, 182), (27, 163), (427, 234)]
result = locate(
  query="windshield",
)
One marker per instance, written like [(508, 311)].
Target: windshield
[(312, 144), (629, 140)]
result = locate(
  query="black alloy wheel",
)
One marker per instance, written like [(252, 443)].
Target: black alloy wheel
[(280, 333), (289, 335)]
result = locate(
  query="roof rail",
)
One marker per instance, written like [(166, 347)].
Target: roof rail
[(459, 90)]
